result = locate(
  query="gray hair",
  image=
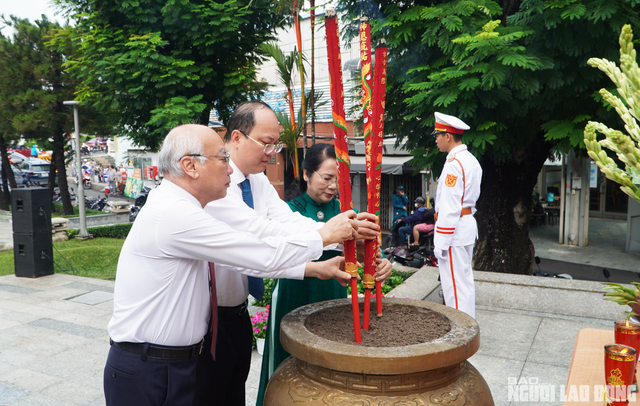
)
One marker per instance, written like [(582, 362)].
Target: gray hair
[(179, 142)]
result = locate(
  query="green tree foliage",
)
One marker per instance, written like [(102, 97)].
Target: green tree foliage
[(160, 63), (517, 73), (33, 86)]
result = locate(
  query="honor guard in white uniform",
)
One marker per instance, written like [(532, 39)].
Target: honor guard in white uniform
[(456, 230)]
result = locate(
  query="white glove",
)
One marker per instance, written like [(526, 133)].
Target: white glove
[(440, 254)]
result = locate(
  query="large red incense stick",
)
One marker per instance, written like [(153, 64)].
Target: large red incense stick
[(379, 89), (368, 280), (342, 153)]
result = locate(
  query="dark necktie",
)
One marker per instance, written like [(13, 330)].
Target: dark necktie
[(214, 309), (256, 285)]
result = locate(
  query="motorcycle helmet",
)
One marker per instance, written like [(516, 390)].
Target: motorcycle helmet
[(420, 200)]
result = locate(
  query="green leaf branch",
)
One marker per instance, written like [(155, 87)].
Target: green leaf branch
[(627, 105)]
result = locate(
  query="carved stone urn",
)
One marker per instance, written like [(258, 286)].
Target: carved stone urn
[(324, 372)]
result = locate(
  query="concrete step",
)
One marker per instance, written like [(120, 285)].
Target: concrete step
[(105, 160), (525, 293)]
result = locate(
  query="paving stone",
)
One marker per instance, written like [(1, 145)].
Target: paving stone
[(93, 298), (36, 399), (5, 295), (98, 402), (66, 364), (253, 380), (10, 393), (41, 310), (21, 317), (92, 378), (496, 372), (89, 286), (82, 394), (554, 341), (16, 357), (17, 289), (28, 380), (98, 346), (44, 348), (70, 328), (85, 320), (543, 385), (5, 324), (495, 327)]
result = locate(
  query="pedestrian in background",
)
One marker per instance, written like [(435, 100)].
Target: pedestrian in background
[(112, 180), (399, 202)]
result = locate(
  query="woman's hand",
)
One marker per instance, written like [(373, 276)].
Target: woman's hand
[(383, 269)]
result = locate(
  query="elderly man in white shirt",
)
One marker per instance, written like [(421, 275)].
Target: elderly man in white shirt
[(252, 138), (162, 301)]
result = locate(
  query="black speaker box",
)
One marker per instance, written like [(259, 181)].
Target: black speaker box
[(33, 254), (31, 210)]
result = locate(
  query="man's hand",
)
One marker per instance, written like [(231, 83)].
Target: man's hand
[(366, 226), (440, 254), (340, 228), (329, 269)]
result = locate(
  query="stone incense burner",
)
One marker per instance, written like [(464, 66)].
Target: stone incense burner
[(324, 372)]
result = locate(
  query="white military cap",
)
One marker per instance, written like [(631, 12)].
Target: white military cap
[(449, 124)]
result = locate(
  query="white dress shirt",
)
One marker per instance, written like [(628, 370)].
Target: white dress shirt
[(458, 188), (162, 282), (270, 216)]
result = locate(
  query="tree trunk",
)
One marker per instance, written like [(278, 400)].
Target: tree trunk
[(6, 164), (503, 244), (58, 152)]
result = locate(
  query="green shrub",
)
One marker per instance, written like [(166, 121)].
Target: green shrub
[(114, 231)]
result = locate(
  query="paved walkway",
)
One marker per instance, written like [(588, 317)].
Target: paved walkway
[(54, 343)]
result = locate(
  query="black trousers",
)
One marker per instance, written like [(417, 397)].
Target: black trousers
[(222, 382), (134, 380)]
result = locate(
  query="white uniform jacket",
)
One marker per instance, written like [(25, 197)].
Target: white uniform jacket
[(458, 188)]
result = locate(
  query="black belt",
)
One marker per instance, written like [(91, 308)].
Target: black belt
[(239, 310), (161, 351)]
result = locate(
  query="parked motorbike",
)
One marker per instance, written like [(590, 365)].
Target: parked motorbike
[(139, 202), (100, 204), (412, 257), (555, 275), (142, 197), (133, 212)]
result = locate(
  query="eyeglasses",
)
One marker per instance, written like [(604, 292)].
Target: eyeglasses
[(267, 148), (328, 180), (224, 157)]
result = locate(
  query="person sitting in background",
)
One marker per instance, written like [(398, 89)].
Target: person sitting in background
[(399, 202), (426, 227), (411, 221)]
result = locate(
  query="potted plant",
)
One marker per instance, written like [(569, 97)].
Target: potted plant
[(259, 322)]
